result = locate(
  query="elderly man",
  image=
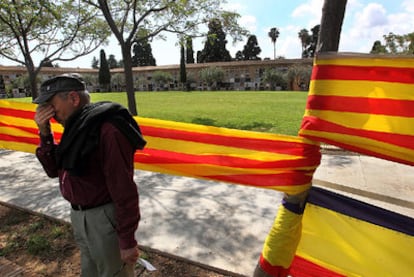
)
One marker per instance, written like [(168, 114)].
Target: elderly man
[(94, 162)]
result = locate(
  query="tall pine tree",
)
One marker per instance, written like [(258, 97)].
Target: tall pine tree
[(95, 63), (142, 51), (215, 46), (183, 70), (251, 49), (104, 73), (189, 50)]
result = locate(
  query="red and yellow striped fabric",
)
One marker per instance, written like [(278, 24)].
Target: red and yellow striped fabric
[(283, 163), (363, 103)]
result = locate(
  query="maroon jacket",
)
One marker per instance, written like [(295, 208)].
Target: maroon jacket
[(108, 177)]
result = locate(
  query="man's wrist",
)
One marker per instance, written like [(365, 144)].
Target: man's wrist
[(46, 139), (45, 133), (44, 129)]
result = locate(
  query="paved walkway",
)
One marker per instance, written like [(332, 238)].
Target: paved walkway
[(217, 224)]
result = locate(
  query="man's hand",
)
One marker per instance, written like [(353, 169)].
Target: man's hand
[(42, 118), (130, 256)]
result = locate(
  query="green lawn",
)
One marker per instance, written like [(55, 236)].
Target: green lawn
[(266, 111)]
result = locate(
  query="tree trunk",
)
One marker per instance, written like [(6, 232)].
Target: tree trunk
[(32, 73), (33, 84), (129, 80), (331, 24)]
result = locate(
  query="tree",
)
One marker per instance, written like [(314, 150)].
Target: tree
[(95, 63), (2, 85), (189, 57), (125, 18), (47, 63), (309, 42), (142, 51), (215, 45), (22, 82), (304, 40), (162, 78), (104, 73), (298, 76), (251, 49), (117, 82), (112, 62), (183, 71), (331, 24), (212, 76), (395, 44), (90, 80), (274, 34), (52, 30), (239, 56), (275, 78), (312, 49), (378, 48)]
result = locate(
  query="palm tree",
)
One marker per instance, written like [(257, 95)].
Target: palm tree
[(274, 34), (304, 39)]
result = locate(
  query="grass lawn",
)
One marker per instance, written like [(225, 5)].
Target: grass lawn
[(277, 112)]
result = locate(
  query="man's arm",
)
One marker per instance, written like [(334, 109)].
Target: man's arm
[(46, 150), (118, 167)]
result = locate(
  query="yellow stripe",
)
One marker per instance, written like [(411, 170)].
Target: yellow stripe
[(370, 122), (196, 148), (217, 170), (280, 245), (375, 146), (13, 131), (357, 247), (15, 105), (381, 90), (18, 121), (167, 169), (27, 123), (188, 127), (18, 146), (365, 60)]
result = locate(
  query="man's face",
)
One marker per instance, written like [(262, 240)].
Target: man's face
[(63, 106)]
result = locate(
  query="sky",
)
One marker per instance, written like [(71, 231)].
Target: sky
[(364, 22)]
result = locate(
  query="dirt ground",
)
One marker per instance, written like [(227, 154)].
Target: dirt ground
[(40, 246)]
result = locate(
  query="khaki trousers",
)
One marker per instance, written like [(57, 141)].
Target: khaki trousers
[(95, 234)]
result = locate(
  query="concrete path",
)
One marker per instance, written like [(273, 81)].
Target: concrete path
[(379, 182), (217, 224)]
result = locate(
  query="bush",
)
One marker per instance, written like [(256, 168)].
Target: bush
[(275, 78), (37, 245), (212, 76)]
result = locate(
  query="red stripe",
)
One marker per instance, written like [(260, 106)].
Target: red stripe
[(299, 267), (305, 268), (363, 73), (155, 156), (17, 113), (317, 124), (26, 129), (357, 149), (291, 178), (293, 148), (273, 270), (34, 141), (366, 105), (404, 140)]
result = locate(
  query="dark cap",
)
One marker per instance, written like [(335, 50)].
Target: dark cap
[(61, 83)]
